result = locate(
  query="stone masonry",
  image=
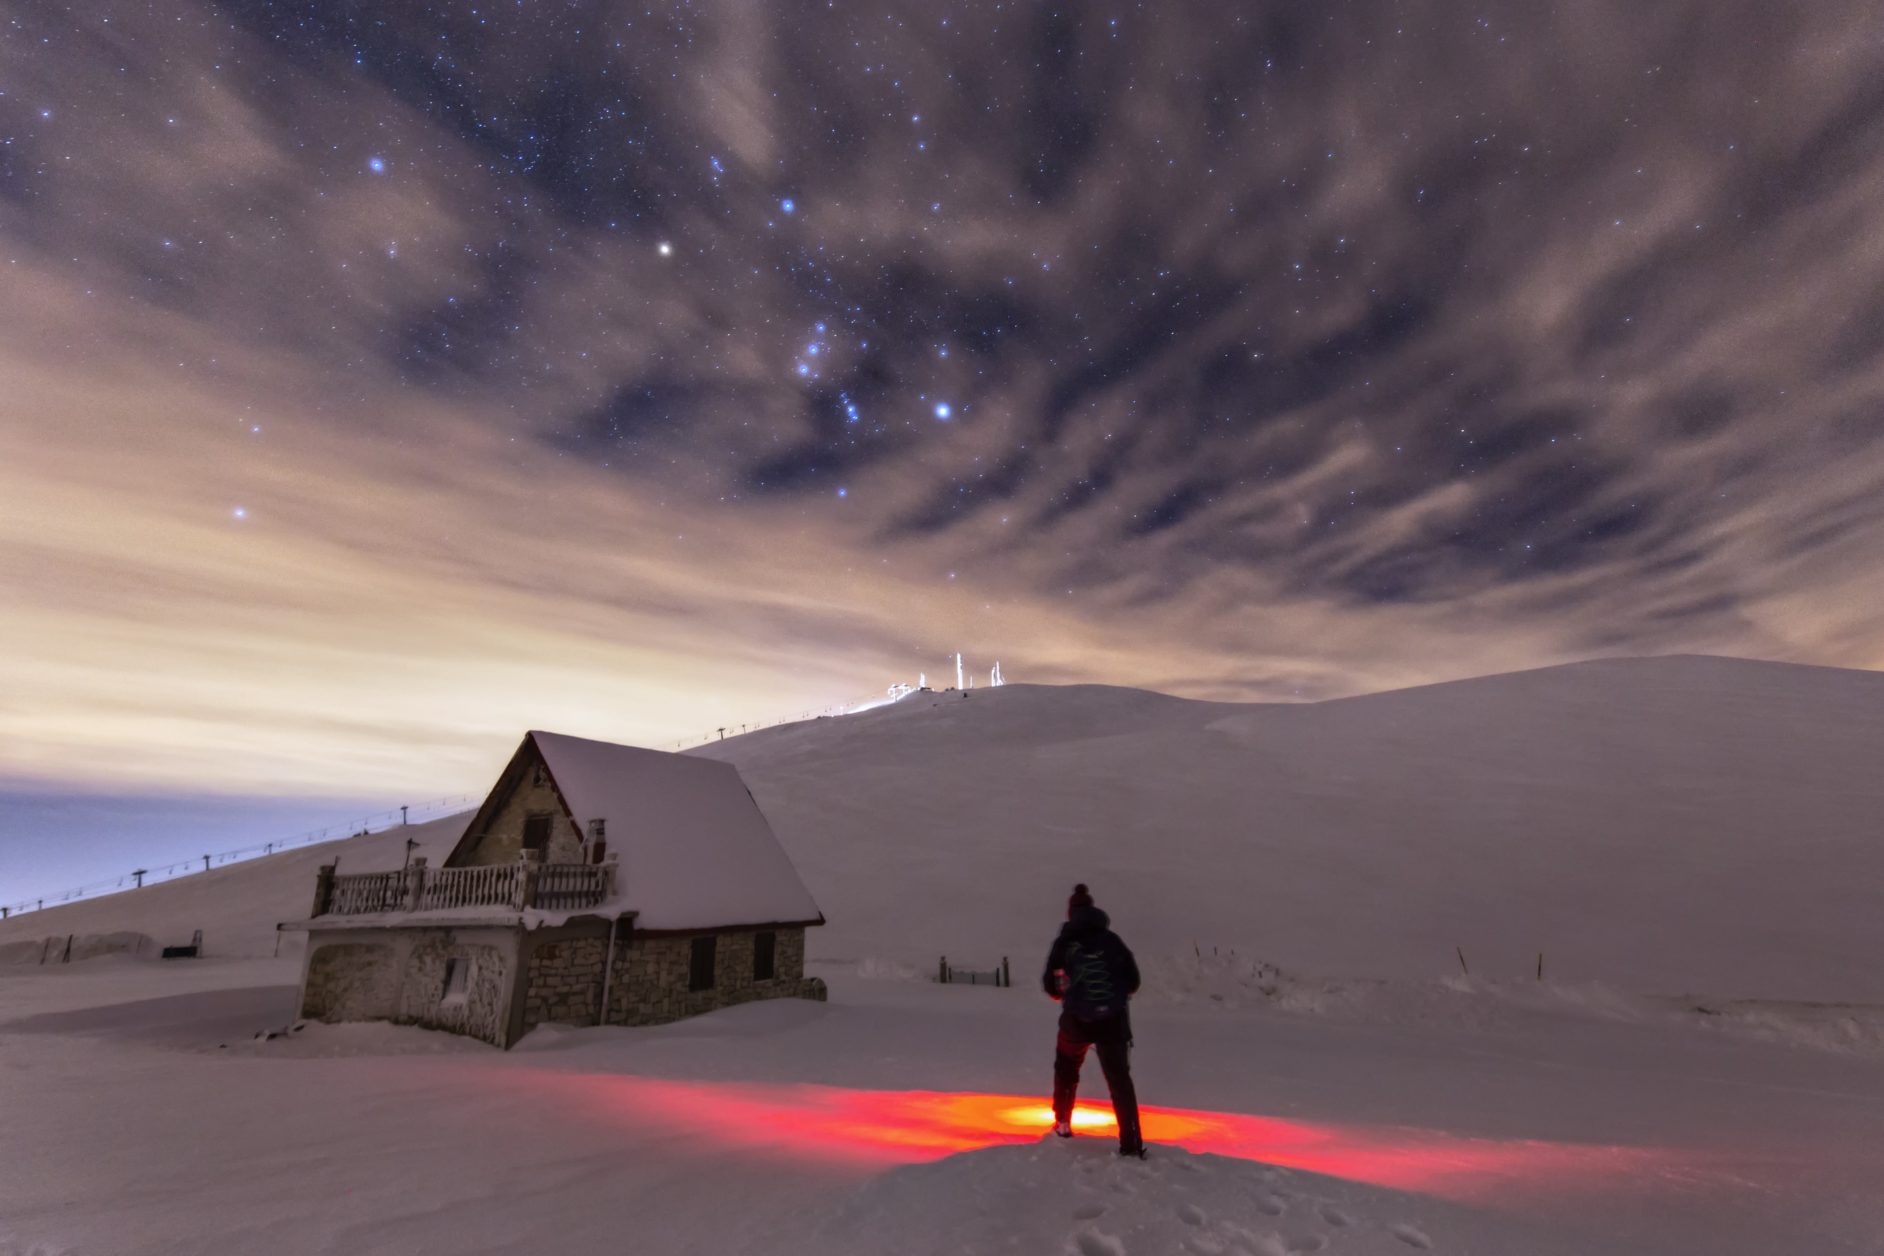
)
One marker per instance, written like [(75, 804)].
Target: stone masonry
[(479, 1012), (350, 981), (565, 982), (502, 841), (650, 983), (399, 975)]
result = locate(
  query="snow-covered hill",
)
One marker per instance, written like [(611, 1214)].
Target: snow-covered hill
[(1668, 825), (1664, 825), (1643, 820)]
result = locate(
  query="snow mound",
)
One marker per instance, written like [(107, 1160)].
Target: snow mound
[(1079, 1198)]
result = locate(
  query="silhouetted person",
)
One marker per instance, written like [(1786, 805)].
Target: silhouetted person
[(1092, 974)]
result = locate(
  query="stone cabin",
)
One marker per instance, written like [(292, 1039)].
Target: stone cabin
[(597, 885)]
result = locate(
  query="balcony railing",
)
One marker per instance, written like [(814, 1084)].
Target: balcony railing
[(417, 888)]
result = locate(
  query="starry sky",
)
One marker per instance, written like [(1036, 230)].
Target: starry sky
[(379, 380)]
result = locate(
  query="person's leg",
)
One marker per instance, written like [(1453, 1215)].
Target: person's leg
[(1115, 1061), (1069, 1053)]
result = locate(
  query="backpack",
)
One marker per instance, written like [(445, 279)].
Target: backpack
[(1092, 988)]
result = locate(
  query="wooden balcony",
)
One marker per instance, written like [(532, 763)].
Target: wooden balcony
[(520, 886)]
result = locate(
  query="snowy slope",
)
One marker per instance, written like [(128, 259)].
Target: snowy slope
[(237, 906), (1662, 825), (1668, 825)]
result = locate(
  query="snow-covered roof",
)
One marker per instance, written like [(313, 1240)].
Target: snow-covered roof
[(695, 850)]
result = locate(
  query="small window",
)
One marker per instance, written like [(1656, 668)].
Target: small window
[(763, 945), (536, 832), (457, 979), (700, 969)]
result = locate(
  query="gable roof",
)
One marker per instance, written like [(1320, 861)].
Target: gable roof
[(695, 851)]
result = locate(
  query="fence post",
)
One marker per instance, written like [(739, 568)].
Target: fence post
[(323, 889), (1540, 965), (1462, 967), (1007, 978)]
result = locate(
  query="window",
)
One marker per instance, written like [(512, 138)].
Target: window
[(763, 945), (457, 979), (700, 968), (536, 831)]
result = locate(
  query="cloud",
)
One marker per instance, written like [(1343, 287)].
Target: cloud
[(1284, 355)]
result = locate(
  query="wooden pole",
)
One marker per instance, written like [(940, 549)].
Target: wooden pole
[(1540, 965), (1462, 967)]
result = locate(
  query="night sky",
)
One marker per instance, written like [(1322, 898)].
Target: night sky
[(379, 380)]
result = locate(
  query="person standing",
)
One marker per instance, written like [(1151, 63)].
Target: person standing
[(1090, 972)]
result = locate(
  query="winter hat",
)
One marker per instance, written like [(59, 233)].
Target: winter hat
[(1082, 897)]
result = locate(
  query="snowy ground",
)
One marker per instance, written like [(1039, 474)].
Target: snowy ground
[(1692, 842), (905, 1117)]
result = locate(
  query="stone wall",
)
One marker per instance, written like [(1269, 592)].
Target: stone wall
[(398, 975), (651, 973), (565, 981), (502, 841), (350, 981), (480, 1011)]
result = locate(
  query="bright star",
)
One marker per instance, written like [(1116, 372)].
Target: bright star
[(376, 164), (942, 410), (240, 512), (788, 205), (664, 249)]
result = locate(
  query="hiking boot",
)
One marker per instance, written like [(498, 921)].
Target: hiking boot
[(1063, 1128), (1135, 1153)]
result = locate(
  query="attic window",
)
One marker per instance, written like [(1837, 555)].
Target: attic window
[(763, 946), (536, 831), (700, 964), (457, 980)]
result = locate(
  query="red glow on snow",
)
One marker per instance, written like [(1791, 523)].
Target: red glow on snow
[(903, 1127)]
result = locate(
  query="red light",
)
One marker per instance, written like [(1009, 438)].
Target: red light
[(901, 1127)]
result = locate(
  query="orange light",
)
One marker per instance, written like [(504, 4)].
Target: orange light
[(902, 1127)]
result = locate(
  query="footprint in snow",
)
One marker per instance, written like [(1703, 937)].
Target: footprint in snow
[(1271, 1206), (1093, 1243), (1411, 1236), (1334, 1216), (1308, 1243), (1190, 1214), (1086, 1212)]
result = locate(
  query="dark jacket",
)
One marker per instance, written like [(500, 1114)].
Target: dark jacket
[(1100, 972)]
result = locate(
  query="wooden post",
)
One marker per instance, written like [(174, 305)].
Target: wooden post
[(1007, 978), (942, 970), (1462, 967), (323, 889), (1540, 965)]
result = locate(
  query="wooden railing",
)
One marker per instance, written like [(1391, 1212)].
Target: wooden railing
[(517, 886)]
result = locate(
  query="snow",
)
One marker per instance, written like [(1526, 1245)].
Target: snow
[(1702, 1069), (695, 850), (1670, 826)]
